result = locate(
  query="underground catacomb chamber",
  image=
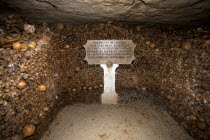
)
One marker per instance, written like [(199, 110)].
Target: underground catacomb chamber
[(50, 91)]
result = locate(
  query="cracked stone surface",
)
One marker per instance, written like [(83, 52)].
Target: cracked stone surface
[(86, 11)]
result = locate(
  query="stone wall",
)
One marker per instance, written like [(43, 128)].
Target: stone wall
[(37, 78), (28, 90), (174, 64)]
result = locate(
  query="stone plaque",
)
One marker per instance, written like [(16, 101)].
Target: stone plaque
[(116, 51)]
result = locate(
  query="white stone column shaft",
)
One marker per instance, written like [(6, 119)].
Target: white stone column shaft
[(109, 96)]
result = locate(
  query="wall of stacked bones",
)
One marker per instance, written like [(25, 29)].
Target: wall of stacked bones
[(42, 70)]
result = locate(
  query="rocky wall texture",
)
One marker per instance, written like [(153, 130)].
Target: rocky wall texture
[(37, 79), (175, 64), (146, 12), (42, 69), (28, 92)]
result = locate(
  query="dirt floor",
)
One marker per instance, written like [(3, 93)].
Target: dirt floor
[(142, 121)]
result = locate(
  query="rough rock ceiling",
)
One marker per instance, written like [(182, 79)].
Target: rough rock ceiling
[(182, 12)]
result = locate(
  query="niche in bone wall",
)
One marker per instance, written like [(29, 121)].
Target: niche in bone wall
[(42, 71)]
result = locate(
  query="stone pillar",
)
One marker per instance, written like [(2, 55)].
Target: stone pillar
[(109, 96)]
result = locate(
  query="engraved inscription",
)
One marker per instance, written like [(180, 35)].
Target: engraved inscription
[(116, 51)]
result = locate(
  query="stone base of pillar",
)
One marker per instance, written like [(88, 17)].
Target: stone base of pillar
[(109, 98)]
